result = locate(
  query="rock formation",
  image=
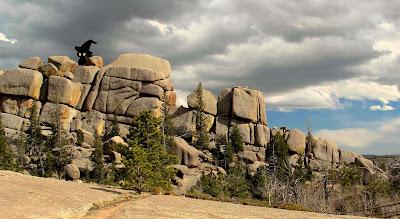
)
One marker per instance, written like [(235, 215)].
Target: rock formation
[(90, 96)]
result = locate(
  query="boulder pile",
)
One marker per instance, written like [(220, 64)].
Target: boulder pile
[(88, 97)]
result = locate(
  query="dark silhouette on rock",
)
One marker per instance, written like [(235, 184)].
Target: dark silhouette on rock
[(83, 52)]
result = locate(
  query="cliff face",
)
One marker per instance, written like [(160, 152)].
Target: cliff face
[(89, 97)]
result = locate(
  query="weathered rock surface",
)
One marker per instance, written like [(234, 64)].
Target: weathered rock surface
[(63, 64), (21, 82), (296, 141), (140, 67), (31, 63), (49, 69), (186, 154), (85, 74), (210, 101), (72, 171), (63, 90)]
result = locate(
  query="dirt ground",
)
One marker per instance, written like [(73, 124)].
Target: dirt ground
[(24, 196)]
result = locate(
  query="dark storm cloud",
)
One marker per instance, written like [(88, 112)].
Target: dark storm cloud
[(270, 45)]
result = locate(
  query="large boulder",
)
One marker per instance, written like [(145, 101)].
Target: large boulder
[(63, 64), (152, 90), (186, 154), (63, 90), (49, 69), (166, 84), (262, 135), (21, 82), (246, 104), (145, 103), (13, 122), (85, 74), (72, 171), (116, 95), (346, 157), (364, 163), (246, 130), (296, 141), (139, 67), (210, 102), (31, 63)]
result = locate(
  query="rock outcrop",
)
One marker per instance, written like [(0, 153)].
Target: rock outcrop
[(88, 97)]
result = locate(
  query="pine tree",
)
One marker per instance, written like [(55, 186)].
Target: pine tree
[(98, 163), (7, 156), (229, 153), (35, 143), (56, 141), (236, 140), (113, 129), (167, 127), (202, 137), (147, 163)]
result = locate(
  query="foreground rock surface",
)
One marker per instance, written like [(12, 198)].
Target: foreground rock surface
[(44, 201)]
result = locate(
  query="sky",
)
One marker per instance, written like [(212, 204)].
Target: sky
[(332, 63)]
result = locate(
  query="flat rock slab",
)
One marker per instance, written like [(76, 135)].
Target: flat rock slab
[(181, 207), (25, 196)]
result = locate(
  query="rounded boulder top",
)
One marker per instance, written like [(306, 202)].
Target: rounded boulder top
[(143, 61)]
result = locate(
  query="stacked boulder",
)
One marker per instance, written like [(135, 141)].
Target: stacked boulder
[(86, 97), (244, 108)]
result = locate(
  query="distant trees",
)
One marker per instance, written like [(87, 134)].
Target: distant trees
[(7, 157), (202, 139), (236, 140), (146, 161)]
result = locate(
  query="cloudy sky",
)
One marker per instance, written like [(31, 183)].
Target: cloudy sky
[(334, 63)]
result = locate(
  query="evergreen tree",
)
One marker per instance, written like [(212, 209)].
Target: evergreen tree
[(35, 143), (56, 142), (167, 127), (259, 180), (147, 163), (229, 153), (98, 162), (6, 154), (236, 140), (202, 137), (113, 130)]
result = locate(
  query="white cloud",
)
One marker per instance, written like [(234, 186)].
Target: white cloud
[(328, 96), (4, 38), (384, 134), (181, 97), (381, 108)]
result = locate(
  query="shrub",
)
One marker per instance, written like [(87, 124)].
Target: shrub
[(349, 176)]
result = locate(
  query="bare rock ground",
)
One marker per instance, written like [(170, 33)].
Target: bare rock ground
[(24, 196)]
